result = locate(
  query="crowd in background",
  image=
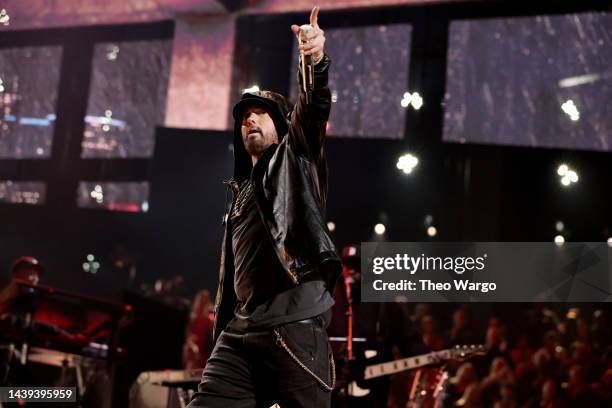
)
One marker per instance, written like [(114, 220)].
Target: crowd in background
[(536, 355)]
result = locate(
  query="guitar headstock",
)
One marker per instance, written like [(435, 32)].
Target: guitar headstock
[(464, 351)]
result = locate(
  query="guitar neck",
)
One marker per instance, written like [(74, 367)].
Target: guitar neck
[(404, 364)]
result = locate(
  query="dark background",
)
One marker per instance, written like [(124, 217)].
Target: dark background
[(474, 192)]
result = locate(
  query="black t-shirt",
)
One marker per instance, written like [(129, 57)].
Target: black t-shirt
[(265, 294)]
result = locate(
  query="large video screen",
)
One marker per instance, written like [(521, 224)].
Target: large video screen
[(542, 81), (368, 80), (29, 79), (127, 98)]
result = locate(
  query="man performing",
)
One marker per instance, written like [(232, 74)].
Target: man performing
[(278, 262)]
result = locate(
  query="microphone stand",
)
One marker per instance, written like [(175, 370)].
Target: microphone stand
[(349, 316)]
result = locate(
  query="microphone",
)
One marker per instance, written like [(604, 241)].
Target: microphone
[(307, 65)]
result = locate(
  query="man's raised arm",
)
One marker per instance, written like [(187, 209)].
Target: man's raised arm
[(309, 121)]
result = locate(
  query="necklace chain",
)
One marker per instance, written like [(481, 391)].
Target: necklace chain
[(244, 193)]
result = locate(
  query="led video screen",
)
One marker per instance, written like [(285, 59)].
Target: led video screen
[(127, 98), (29, 79), (543, 81), (368, 80)]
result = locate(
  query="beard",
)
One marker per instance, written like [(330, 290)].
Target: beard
[(257, 144)]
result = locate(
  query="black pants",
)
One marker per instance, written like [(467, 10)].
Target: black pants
[(251, 369)]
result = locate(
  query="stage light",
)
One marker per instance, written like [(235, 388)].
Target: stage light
[(91, 265), (144, 206), (417, 101), (432, 231), (567, 174), (108, 113), (97, 193), (379, 229), (1, 85), (559, 239), (331, 226), (559, 226), (571, 110), (253, 88), (407, 162), (428, 220), (334, 96), (414, 99), (610, 242)]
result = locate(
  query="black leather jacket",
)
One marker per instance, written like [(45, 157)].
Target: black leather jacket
[(290, 189)]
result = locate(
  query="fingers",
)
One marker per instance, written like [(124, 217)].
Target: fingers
[(311, 43), (314, 16), (314, 47)]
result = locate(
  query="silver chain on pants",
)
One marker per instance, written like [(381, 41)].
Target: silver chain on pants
[(281, 342)]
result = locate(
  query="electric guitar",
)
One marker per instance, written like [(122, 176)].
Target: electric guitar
[(409, 363)]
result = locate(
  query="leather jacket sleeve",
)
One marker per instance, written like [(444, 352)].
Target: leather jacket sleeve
[(308, 122)]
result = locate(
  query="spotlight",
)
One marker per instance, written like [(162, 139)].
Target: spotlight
[(559, 239), (559, 226), (569, 107), (380, 229), (567, 174), (610, 242), (331, 226), (253, 88), (432, 231), (417, 101), (91, 265), (414, 99), (562, 170), (407, 162), (97, 194)]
